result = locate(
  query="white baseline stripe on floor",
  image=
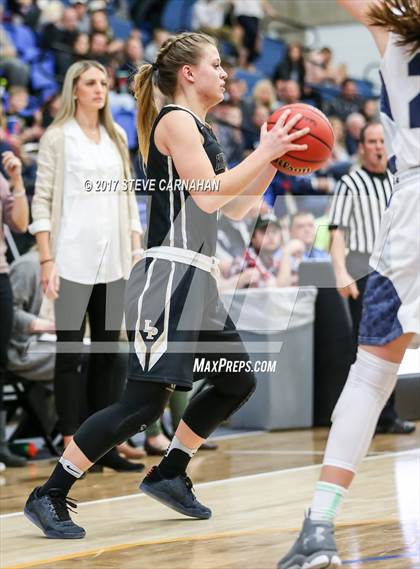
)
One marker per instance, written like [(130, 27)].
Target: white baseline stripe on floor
[(291, 452), (229, 480)]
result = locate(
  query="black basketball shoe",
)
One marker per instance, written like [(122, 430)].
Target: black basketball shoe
[(51, 514), (177, 493)]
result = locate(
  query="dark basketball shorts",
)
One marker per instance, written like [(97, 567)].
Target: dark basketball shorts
[(174, 315)]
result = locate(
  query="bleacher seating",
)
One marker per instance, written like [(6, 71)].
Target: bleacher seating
[(24, 39), (121, 28), (272, 53), (250, 78), (177, 15), (127, 119)]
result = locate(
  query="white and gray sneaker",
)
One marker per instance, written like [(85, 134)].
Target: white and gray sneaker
[(315, 548)]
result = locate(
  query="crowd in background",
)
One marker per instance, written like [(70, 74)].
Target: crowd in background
[(66, 32), (41, 40)]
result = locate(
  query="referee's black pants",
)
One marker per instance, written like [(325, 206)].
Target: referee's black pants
[(104, 305)]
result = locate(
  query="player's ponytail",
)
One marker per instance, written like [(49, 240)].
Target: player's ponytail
[(401, 17), (146, 107), (179, 50)]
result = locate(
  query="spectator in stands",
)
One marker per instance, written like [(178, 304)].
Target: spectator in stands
[(263, 93), (13, 212), (292, 66), (50, 110), (24, 12), (15, 71), (370, 110), (159, 38), (333, 74), (150, 11), (83, 20), (347, 102), (99, 23), (58, 36), (339, 151), (260, 263), (292, 92), (320, 68), (25, 359), (22, 123), (252, 133), (355, 123), (133, 55), (303, 228), (79, 50), (248, 15), (229, 133), (87, 239), (359, 203), (236, 95), (99, 44), (208, 16)]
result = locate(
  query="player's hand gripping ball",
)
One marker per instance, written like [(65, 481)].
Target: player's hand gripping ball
[(320, 140)]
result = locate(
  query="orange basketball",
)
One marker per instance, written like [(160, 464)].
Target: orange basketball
[(320, 140)]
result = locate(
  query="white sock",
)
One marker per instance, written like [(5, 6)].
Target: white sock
[(326, 501), (70, 467), (176, 443)]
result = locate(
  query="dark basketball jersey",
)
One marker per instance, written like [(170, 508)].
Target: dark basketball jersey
[(174, 219)]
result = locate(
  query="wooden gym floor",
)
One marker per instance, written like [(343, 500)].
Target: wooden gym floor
[(257, 485)]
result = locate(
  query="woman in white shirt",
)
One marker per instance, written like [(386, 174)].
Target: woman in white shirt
[(88, 233)]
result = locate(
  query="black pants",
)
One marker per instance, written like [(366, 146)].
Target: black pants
[(388, 414), (103, 303), (250, 26), (6, 321)]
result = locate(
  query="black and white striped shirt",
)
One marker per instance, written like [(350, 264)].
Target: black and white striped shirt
[(357, 207)]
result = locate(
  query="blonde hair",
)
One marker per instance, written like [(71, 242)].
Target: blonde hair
[(401, 17), (69, 106), (179, 50), (260, 86)]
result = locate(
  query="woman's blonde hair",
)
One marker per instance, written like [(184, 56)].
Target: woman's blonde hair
[(69, 105), (179, 50), (260, 86), (401, 17)]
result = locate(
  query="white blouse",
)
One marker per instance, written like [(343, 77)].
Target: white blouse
[(88, 249)]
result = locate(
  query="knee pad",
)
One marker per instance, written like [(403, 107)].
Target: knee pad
[(369, 377), (369, 385)]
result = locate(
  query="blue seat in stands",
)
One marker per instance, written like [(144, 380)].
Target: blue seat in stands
[(24, 40), (121, 28), (272, 53), (365, 88), (250, 78), (127, 119), (177, 15), (43, 74)]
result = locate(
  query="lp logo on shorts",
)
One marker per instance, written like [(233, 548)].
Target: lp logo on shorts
[(151, 331)]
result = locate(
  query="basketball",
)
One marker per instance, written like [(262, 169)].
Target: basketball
[(320, 140)]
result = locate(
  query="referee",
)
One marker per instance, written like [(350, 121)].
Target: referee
[(359, 202)]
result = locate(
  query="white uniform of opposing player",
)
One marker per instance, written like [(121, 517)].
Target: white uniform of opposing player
[(392, 299), (391, 305)]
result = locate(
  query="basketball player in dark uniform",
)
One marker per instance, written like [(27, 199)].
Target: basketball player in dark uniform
[(173, 311)]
